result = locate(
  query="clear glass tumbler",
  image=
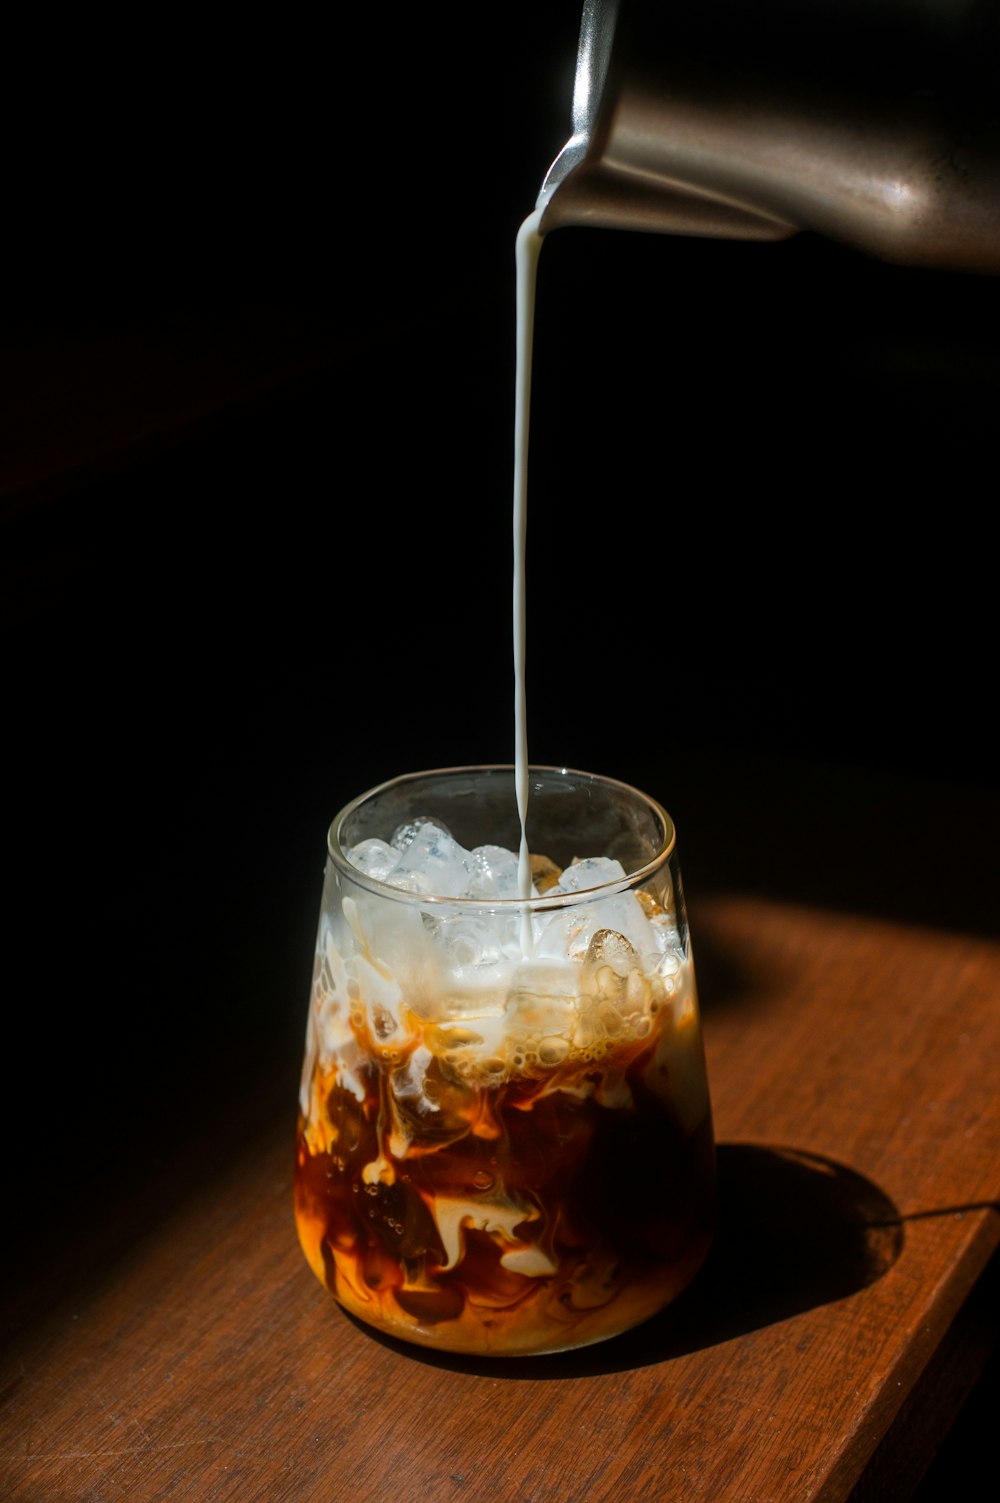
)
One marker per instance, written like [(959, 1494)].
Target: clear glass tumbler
[(505, 1140)]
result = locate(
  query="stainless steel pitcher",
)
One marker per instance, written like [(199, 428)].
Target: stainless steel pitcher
[(875, 123)]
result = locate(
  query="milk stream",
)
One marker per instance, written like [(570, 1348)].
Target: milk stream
[(526, 252)]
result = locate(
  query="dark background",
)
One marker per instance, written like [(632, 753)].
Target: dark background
[(257, 374)]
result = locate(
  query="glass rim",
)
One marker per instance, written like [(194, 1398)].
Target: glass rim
[(544, 902)]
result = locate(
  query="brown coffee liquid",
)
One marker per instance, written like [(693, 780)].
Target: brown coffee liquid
[(552, 1210)]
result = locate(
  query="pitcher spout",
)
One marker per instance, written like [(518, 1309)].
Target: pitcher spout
[(834, 118)]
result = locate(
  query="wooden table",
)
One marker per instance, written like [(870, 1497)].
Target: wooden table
[(184, 1350)]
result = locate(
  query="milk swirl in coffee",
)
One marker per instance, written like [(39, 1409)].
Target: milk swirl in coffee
[(505, 1140)]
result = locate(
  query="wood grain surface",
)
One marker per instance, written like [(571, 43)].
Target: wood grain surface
[(852, 1063)]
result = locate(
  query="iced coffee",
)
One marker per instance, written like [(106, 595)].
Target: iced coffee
[(505, 1141)]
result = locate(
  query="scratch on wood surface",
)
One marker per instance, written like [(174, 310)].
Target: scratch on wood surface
[(147, 1450), (116, 1419)]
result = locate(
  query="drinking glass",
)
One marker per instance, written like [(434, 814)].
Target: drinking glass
[(505, 1139)]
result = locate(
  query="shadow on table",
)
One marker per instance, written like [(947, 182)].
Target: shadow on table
[(795, 1231)]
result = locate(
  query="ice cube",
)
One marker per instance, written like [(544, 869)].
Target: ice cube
[(593, 871), (404, 834), (408, 881), (623, 915), (564, 934), (471, 941), (608, 947), (570, 931), (374, 857), (493, 873), (434, 858), (542, 999)]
